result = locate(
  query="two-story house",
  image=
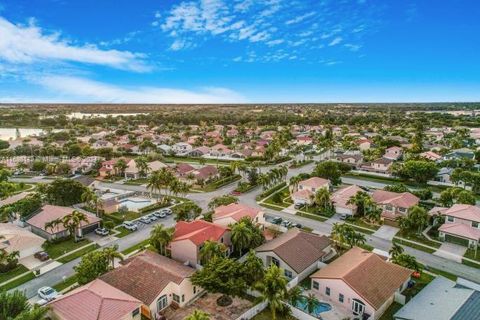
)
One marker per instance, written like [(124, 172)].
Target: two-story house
[(189, 238), (182, 148), (462, 225), (306, 189), (394, 204), (393, 153), (234, 212)]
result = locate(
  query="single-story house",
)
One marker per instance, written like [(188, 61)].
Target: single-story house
[(97, 300), (393, 153), (132, 171), (232, 213), (49, 213), (443, 299), (394, 204), (297, 252), (15, 238), (362, 282), (341, 197), (430, 155), (155, 280), (354, 160), (306, 189), (189, 237)]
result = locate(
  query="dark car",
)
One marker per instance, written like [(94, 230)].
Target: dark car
[(42, 256), (277, 220)]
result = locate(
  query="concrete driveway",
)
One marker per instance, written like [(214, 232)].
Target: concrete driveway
[(386, 232), (451, 251)]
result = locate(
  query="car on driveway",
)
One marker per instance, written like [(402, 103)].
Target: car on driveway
[(160, 214), (152, 217), (130, 225), (167, 211), (41, 255), (47, 293), (277, 220), (145, 220), (298, 205), (286, 223), (102, 232)]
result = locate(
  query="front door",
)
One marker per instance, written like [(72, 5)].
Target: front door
[(358, 307), (162, 303)]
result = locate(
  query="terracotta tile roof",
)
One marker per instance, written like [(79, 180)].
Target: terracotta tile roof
[(464, 211), (372, 278), (437, 210), (144, 276), (314, 182), (184, 168), (18, 239), (206, 172), (236, 211), (198, 231), (460, 229), (94, 301), (298, 249), (303, 194), (404, 200), (343, 195), (50, 212)]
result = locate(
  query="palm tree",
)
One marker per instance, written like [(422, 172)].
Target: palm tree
[(294, 181), (198, 315), (241, 236), (111, 253), (295, 295), (355, 238), (142, 166), (273, 289), (121, 166), (395, 251), (211, 249), (311, 302), (338, 233), (89, 196), (362, 201), (72, 221), (407, 261), (160, 237), (53, 225), (322, 199), (373, 213), (16, 306)]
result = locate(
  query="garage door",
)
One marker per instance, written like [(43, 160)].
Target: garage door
[(456, 240)]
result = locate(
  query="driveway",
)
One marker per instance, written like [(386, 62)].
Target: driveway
[(451, 251), (386, 232)]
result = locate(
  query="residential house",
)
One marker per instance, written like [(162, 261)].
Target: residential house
[(459, 154), (363, 144), (306, 189), (97, 300), (87, 181), (304, 140), (101, 144), (199, 152), (232, 213), (361, 282), (220, 150), (341, 197), (296, 252), (14, 238), (181, 148), (394, 204), (183, 169), (430, 155), (132, 171), (205, 173), (462, 224), (443, 299), (381, 165), (355, 160), (393, 153), (49, 213), (155, 280), (189, 237), (108, 168)]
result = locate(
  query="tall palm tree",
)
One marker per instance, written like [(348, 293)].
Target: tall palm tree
[(111, 253), (160, 237), (121, 166), (198, 315), (73, 221), (311, 302), (294, 181), (142, 166), (362, 201), (154, 184), (16, 306), (211, 249), (241, 236), (53, 225), (273, 289), (89, 196), (322, 199), (395, 251), (294, 295)]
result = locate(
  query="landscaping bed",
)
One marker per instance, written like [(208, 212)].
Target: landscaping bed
[(13, 273), (361, 223), (57, 249), (413, 245), (417, 238), (15, 283)]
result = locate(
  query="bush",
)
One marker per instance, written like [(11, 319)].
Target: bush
[(154, 206), (115, 219), (268, 192)]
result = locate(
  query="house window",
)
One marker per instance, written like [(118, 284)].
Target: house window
[(194, 289), (176, 298), (135, 312), (340, 297), (403, 210), (315, 285), (288, 274), (327, 291), (221, 240), (275, 262), (475, 224), (388, 207), (183, 298), (450, 219)]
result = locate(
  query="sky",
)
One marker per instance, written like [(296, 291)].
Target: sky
[(239, 51)]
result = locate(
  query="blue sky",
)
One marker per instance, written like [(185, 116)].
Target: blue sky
[(214, 51)]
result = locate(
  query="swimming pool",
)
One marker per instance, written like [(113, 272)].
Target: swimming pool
[(319, 307), (135, 204)]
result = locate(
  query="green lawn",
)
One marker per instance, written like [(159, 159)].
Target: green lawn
[(266, 315), (418, 238), (78, 253), (127, 216), (15, 283), (388, 314), (445, 274), (312, 216), (13, 273), (471, 255), (139, 245), (56, 250), (362, 223), (136, 182), (65, 284), (123, 232), (412, 245)]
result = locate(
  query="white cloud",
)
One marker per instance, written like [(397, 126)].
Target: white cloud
[(300, 18), (21, 44), (335, 41), (80, 89), (275, 42)]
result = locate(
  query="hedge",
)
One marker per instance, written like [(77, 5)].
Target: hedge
[(270, 191)]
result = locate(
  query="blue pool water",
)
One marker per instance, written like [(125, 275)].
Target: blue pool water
[(319, 307), (134, 204)]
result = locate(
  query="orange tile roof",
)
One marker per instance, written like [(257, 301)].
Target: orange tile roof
[(94, 301), (464, 211), (372, 278), (236, 211), (404, 200), (314, 182), (198, 231)]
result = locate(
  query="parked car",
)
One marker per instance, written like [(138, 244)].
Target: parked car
[(47, 293), (286, 223), (102, 232), (42, 256), (152, 217), (160, 214), (277, 220), (145, 220), (130, 225), (296, 225), (167, 211), (298, 205), (343, 216)]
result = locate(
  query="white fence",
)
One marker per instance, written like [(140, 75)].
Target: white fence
[(252, 312)]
